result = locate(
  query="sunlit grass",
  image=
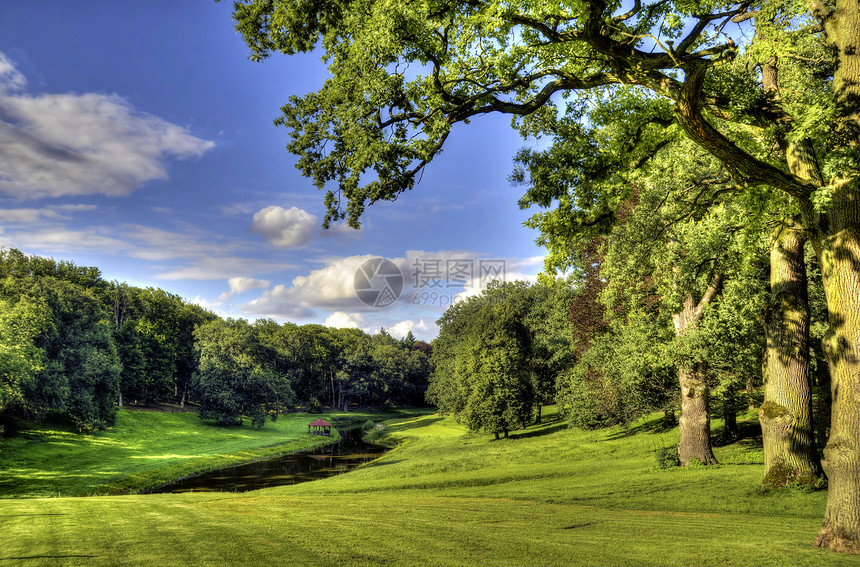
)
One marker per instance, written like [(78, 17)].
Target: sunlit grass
[(142, 450), (548, 496)]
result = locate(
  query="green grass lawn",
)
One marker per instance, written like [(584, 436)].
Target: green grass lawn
[(548, 496)]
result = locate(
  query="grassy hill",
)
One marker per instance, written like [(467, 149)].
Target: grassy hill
[(547, 496), (144, 449)]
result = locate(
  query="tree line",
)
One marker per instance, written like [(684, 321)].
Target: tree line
[(74, 346)]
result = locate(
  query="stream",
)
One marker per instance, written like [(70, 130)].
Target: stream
[(322, 462)]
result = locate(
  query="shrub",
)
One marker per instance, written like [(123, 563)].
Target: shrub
[(368, 425), (314, 406), (667, 457)]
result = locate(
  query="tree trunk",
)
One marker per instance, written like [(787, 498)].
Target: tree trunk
[(837, 244), (669, 418), (840, 268), (538, 414), (790, 455), (840, 265), (822, 374), (750, 398), (695, 421), (120, 399)]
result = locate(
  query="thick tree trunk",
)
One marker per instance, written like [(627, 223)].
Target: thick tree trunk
[(837, 243), (822, 375), (840, 264), (695, 421), (790, 455)]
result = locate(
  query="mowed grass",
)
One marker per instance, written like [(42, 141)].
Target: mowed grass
[(143, 449), (548, 496)]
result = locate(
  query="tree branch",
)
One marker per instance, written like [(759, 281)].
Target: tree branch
[(743, 167)]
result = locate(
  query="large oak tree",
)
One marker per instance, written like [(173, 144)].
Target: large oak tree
[(403, 73)]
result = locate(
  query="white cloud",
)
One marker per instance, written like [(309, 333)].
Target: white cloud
[(401, 329), (235, 209), (220, 267), (242, 284), (291, 227), (74, 208), (20, 216), (341, 320), (32, 215), (10, 78), (159, 244), (330, 287), (202, 302), (70, 144), (333, 283), (186, 254), (64, 241), (341, 229)]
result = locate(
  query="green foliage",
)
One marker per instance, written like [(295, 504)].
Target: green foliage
[(314, 406), (498, 355), (667, 457), (73, 345), (60, 356), (625, 373), (21, 324), (236, 377)]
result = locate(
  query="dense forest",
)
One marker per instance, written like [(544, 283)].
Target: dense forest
[(75, 347)]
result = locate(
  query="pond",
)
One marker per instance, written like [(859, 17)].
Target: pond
[(322, 462)]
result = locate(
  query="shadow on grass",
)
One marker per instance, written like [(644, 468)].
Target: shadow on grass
[(749, 435), (415, 424), (658, 425), (543, 430), (374, 464)]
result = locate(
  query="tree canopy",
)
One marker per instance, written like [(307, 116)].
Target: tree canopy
[(770, 90)]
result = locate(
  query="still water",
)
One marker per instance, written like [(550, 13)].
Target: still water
[(323, 462)]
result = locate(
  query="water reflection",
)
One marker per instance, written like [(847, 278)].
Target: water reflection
[(323, 462)]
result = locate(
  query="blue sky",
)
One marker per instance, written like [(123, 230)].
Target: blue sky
[(138, 137)]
